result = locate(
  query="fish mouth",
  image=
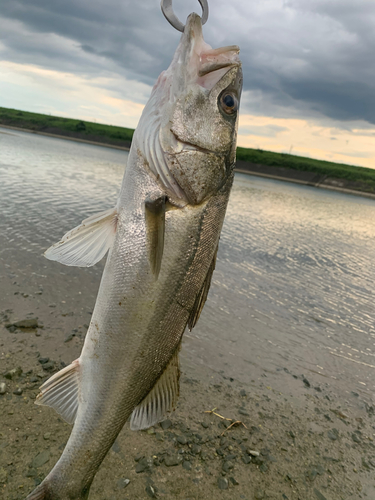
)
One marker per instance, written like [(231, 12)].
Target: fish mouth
[(180, 146), (216, 59)]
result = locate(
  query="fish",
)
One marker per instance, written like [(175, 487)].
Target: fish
[(162, 238)]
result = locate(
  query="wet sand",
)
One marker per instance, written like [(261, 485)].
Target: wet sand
[(306, 443)]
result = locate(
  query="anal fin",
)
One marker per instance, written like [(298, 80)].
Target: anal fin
[(162, 398), (202, 295), (155, 227), (61, 392)]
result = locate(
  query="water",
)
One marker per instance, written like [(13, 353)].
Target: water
[(293, 290)]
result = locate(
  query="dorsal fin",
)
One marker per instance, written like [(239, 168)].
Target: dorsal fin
[(161, 399), (202, 295)]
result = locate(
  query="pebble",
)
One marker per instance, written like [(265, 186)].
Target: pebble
[(182, 439), (3, 388), (122, 483), (222, 483), (319, 495), (227, 466), (253, 453), (233, 481), (333, 434), (18, 391), (141, 466), (186, 465), (196, 449), (205, 425), (242, 393), (171, 461), (46, 436), (70, 337), (356, 438), (48, 366), (41, 459), (27, 323), (166, 424), (306, 382), (150, 490), (16, 372), (243, 412), (246, 459)]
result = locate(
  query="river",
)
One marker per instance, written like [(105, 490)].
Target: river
[(292, 294)]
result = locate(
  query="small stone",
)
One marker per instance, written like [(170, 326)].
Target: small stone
[(205, 425), (246, 459), (12, 374), (122, 483), (306, 382), (243, 412), (3, 388), (263, 468), (242, 393), (222, 483), (18, 391), (42, 361), (196, 449), (233, 481), (253, 453), (69, 337), (166, 424), (319, 495), (46, 436), (141, 467), (227, 466), (333, 434), (356, 438), (41, 459), (171, 461), (150, 490), (34, 379), (150, 431), (259, 494), (182, 439), (186, 465), (48, 366), (27, 323)]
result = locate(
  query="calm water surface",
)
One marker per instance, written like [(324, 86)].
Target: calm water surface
[(295, 278)]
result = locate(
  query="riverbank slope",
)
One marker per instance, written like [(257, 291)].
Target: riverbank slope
[(329, 175)]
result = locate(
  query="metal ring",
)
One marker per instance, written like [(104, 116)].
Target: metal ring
[(170, 16)]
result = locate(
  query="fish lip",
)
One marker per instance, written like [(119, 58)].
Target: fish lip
[(192, 147)]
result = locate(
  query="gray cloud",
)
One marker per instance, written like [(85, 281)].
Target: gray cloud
[(309, 58)]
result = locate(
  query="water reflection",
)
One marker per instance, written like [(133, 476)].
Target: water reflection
[(294, 284)]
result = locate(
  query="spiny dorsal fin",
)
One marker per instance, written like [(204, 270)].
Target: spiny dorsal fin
[(160, 400), (87, 243), (155, 226), (61, 392), (202, 295)]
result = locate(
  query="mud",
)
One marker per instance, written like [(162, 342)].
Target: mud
[(310, 446)]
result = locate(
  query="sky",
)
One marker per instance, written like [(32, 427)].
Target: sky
[(309, 72)]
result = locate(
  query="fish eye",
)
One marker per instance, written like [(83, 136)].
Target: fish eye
[(229, 103)]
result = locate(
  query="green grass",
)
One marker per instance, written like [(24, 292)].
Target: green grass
[(39, 122), (119, 135), (337, 170)]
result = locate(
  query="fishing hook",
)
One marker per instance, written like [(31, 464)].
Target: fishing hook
[(170, 16)]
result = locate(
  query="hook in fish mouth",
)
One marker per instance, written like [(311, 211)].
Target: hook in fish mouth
[(170, 16)]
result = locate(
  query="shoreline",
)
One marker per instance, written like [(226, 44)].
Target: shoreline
[(305, 178)]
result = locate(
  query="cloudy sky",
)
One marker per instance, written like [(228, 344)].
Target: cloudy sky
[(309, 66)]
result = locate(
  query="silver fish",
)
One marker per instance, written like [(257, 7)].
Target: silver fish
[(162, 238)]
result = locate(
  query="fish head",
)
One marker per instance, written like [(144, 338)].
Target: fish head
[(194, 108)]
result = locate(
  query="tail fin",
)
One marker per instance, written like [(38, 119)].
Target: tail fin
[(40, 493)]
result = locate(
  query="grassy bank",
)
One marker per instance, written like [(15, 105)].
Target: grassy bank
[(120, 136)]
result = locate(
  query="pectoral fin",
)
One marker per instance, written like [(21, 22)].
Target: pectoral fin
[(87, 243), (202, 295), (160, 400), (155, 227)]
